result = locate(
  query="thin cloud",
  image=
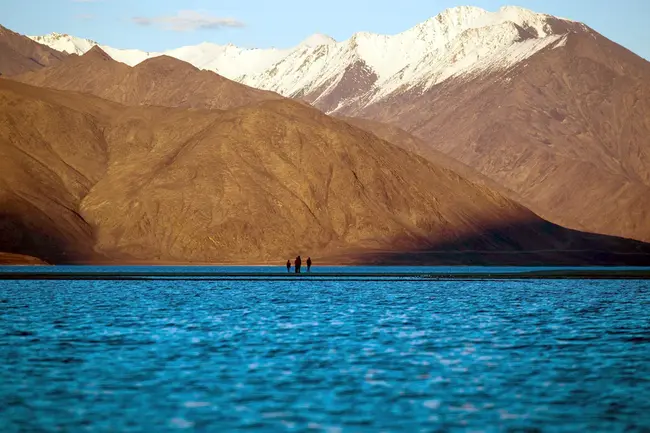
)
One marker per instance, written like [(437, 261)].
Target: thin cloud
[(85, 17), (85, 1), (188, 20), (142, 21)]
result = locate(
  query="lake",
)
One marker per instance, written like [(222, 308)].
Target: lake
[(324, 355)]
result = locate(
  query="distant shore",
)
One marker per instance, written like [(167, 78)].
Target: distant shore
[(11, 259), (492, 274), (459, 258)]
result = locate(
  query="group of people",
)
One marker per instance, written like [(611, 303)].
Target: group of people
[(298, 264)]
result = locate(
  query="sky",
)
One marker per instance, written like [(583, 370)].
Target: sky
[(158, 25)]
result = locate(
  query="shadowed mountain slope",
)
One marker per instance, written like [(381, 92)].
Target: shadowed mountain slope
[(50, 156), (162, 81), (565, 247)]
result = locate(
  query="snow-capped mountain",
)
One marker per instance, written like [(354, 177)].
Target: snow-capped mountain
[(227, 60), (74, 45), (368, 67), (65, 43)]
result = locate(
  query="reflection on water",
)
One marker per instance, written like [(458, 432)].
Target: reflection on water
[(324, 355)]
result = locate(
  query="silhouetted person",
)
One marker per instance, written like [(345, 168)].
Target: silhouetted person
[(308, 264), (298, 263), (288, 265)]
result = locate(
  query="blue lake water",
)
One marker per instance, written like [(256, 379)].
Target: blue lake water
[(535, 355)]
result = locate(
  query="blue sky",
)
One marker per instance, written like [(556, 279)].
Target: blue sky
[(156, 25)]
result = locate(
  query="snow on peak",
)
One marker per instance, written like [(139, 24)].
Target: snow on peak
[(74, 45), (228, 60), (450, 23), (388, 55), (458, 41), (65, 43), (524, 18), (459, 15), (317, 40)]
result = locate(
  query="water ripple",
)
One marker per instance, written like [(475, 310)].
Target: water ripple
[(324, 355)]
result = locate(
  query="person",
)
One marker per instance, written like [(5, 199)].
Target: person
[(298, 263), (288, 265), (308, 264)]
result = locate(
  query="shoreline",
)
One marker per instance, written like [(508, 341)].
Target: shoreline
[(638, 274)]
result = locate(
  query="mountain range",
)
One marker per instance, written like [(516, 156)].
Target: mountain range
[(361, 150), (367, 67), (85, 179), (532, 101), (161, 80)]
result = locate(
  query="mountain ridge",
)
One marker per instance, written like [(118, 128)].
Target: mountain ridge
[(84, 179), (162, 80), (275, 70), (19, 54)]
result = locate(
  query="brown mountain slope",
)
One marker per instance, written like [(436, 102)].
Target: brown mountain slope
[(253, 184), (399, 137), (277, 178), (19, 54), (567, 130), (162, 81)]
